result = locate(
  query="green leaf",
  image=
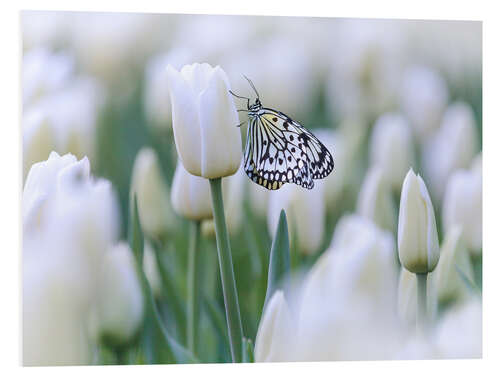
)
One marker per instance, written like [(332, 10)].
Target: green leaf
[(136, 237), (279, 263), (247, 348), (467, 281)]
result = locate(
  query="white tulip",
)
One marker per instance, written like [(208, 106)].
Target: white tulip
[(153, 196), (417, 234), (452, 147), (459, 333), (151, 270), (204, 120), (375, 200), (275, 331), (305, 211), (454, 259), (423, 98), (191, 195), (463, 206), (119, 302), (391, 148), (44, 28)]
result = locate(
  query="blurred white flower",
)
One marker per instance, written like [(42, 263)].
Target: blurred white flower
[(44, 72), (71, 113), (463, 206), (459, 333), (151, 270), (391, 148), (275, 331), (119, 303), (453, 146), (153, 196), (418, 243), (191, 195), (453, 260), (423, 98), (44, 28), (375, 200), (69, 221), (407, 297), (204, 120), (156, 92), (305, 212)]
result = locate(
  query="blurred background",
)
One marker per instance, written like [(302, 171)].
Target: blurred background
[(383, 95)]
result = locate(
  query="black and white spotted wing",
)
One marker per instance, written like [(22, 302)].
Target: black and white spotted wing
[(280, 150)]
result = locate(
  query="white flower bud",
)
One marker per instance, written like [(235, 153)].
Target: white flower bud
[(452, 147), (375, 200), (423, 98), (391, 148), (418, 243), (453, 259), (191, 195), (204, 120), (119, 301), (153, 203), (273, 334), (151, 270), (463, 206)]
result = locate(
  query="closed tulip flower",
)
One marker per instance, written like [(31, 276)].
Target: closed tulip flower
[(153, 203), (205, 121), (119, 302), (191, 195), (151, 270), (417, 234), (463, 206), (375, 200), (391, 148)]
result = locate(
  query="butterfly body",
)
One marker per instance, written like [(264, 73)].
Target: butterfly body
[(279, 150)]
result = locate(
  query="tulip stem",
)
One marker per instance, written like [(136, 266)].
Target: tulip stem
[(229, 291), (193, 286), (421, 302)]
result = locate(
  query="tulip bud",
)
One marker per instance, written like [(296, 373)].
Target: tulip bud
[(119, 302), (454, 264), (273, 334), (418, 243), (191, 195), (153, 201), (463, 206), (391, 148), (375, 200), (423, 98), (205, 121), (151, 269), (452, 147)]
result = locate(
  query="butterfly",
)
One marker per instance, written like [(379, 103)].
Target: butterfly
[(279, 150)]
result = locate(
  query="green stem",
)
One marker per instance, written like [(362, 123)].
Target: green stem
[(229, 291), (421, 302), (193, 286)]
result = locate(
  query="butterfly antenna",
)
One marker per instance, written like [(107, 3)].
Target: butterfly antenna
[(253, 87), (237, 96)]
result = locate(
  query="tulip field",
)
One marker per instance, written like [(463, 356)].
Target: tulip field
[(179, 204)]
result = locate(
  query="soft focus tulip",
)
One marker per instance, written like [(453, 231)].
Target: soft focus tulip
[(151, 270), (305, 212), (375, 200), (275, 331), (453, 146), (119, 301), (459, 333), (191, 195), (454, 264), (153, 203), (205, 121), (418, 243), (463, 206), (423, 98), (391, 148)]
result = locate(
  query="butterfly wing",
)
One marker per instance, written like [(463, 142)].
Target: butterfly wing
[(281, 150)]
